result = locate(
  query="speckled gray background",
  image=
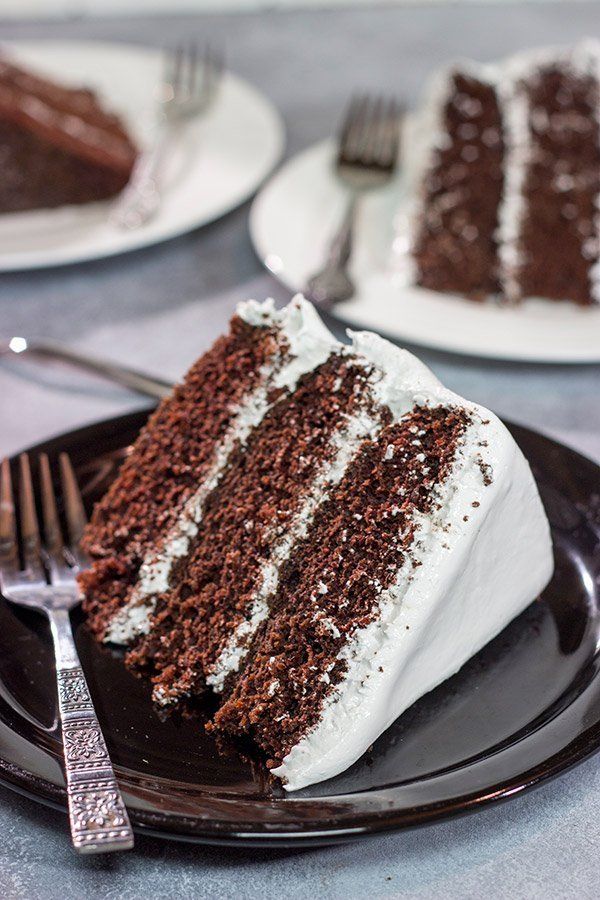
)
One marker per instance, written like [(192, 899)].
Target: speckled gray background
[(158, 309)]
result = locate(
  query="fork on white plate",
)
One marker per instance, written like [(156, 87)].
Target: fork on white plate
[(367, 156), (189, 84), (43, 577)]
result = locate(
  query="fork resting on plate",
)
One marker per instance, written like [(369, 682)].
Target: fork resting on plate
[(43, 577), (366, 159), (188, 86)]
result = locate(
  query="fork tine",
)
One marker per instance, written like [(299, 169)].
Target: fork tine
[(218, 67), (370, 132), (379, 132), (52, 532), (178, 67), (74, 509), (391, 132), (395, 128), (30, 532), (353, 128), (192, 68), (349, 114), (374, 131), (168, 68), (209, 71), (364, 128), (369, 129), (9, 553)]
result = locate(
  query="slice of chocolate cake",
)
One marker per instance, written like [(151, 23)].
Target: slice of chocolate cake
[(315, 533), (505, 189), (57, 145)]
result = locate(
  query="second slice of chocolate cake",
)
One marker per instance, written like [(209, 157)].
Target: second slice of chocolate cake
[(502, 166)]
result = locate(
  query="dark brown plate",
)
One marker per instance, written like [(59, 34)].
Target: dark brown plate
[(523, 710)]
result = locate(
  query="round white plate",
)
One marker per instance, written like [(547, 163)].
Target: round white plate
[(292, 221), (217, 160)]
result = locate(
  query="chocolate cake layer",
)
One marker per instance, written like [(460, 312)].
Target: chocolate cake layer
[(263, 499), (167, 462), (57, 145), (37, 174), (330, 587), (455, 248), (559, 238), (71, 119)]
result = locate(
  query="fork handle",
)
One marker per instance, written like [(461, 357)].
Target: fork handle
[(340, 249), (141, 197), (333, 284), (97, 814), (130, 378)]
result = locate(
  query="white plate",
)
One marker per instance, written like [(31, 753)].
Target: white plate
[(216, 163), (291, 223)]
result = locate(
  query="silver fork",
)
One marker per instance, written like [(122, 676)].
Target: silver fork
[(366, 159), (130, 378), (189, 85), (45, 580)]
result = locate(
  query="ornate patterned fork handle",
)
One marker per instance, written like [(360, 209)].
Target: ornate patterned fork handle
[(97, 814)]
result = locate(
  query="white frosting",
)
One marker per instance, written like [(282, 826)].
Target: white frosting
[(476, 575), (512, 207), (422, 136), (426, 135), (309, 341)]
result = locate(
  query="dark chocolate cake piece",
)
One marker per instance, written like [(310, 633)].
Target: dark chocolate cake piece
[(457, 236), (58, 146), (315, 534), (505, 190)]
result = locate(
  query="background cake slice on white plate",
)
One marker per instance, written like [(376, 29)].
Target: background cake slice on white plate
[(316, 533), (503, 165)]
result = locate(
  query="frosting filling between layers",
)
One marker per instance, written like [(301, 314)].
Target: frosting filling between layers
[(512, 205), (155, 572)]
